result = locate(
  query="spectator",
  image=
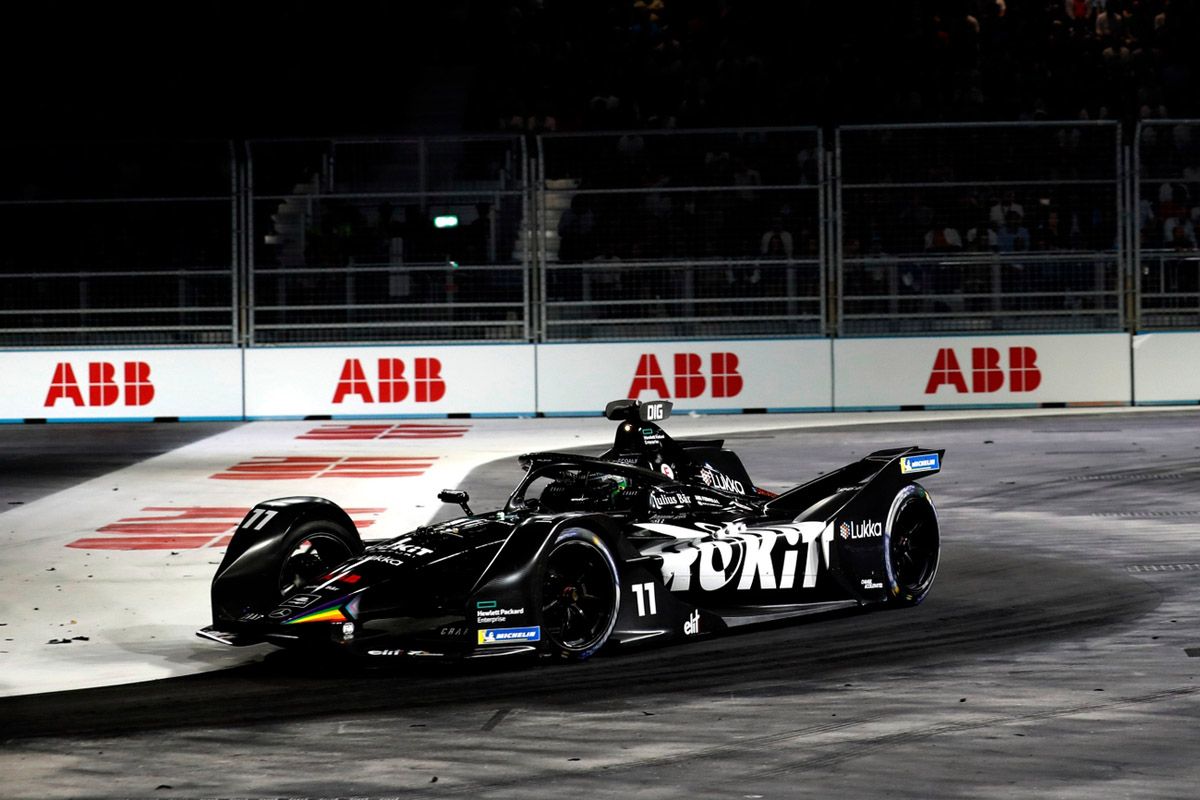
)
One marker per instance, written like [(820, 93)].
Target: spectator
[(982, 237), (576, 231), (1180, 234), (1049, 233), (777, 241), (999, 212), (1012, 236), (942, 238)]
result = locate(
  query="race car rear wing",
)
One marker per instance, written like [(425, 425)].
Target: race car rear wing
[(836, 488), (911, 460)]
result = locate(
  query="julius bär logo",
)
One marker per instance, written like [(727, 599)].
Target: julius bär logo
[(102, 387), (987, 374), (690, 380), (391, 384)]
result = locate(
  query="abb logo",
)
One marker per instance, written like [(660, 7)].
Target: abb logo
[(690, 380), (102, 386), (391, 386), (987, 374)]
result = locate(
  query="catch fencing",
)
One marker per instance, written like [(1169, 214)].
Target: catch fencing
[(681, 234), (118, 244), (1166, 215), (1034, 227), (979, 228), (387, 240)]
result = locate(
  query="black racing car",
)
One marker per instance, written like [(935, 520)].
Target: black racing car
[(655, 540)]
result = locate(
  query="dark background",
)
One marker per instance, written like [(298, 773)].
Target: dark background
[(274, 68)]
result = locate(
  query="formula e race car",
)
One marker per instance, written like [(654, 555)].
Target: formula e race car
[(655, 540)]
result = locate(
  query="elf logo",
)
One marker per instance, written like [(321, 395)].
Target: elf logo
[(689, 379), (102, 387), (391, 385), (987, 373)]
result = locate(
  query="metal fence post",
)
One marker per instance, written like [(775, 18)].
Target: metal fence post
[(235, 242), (1135, 228), (248, 331), (837, 225)]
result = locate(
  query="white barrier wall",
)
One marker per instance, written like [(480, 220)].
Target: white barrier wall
[(981, 370), (121, 384), (381, 381), (722, 375), (696, 375), (1166, 367)]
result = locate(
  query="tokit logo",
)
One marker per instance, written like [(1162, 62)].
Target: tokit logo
[(391, 385), (860, 530), (723, 378), (102, 386), (402, 546), (712, 557), (987, 374)]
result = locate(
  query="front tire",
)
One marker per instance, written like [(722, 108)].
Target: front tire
[(312, 550), (912, 549), (581, 594), (261, 568)]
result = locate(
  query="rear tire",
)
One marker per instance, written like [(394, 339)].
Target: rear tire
[(912, 548), (581, 594)]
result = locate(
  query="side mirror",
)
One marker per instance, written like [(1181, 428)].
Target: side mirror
[(455, 496)]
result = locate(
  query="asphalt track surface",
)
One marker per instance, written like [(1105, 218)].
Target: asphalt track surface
[(1057, 656)]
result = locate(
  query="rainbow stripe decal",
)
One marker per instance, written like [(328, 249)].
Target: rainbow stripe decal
[(330, 612), (328, 615)]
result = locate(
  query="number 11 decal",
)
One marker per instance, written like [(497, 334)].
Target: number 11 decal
[(645, 597)]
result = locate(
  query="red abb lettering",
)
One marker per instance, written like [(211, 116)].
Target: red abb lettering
[(102, 386), (391, 385), (138, 389), (353, 382), (727, 382), (689, 375), (987, 373), (690, 380), (945, 370), (430, 386), (1024, 376), (102, 389), (63, 386), (648, 378)]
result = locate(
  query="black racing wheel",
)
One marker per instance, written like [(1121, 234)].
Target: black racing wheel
[(312, 550), (913, 546), (580, 594)]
